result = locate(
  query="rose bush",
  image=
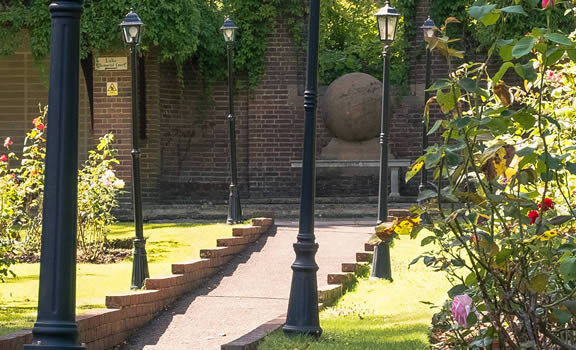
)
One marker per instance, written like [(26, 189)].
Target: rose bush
[(22, 193), (500, 214)]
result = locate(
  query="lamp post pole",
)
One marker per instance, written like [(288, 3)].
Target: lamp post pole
[(234, 207), (428, 27), (387, 18), (55, 326), (381, 266), (132, 30), (302, 317)]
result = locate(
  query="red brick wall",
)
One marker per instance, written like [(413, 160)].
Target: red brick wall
[(186, 152), (114, 114)]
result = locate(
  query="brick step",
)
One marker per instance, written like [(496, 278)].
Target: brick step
[(364, 257), (352, 267), (340, 278)]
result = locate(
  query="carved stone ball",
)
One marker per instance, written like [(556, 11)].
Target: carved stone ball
[(351, 107)]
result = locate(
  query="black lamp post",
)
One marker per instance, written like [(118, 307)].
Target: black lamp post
[(302, 317), (387, 18), (428, 29), (55, 326), (132, 28), (234, 208)]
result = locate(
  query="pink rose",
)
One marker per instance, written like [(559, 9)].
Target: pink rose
[(553, 77), (8, 142), (461, 307), (545, 3)]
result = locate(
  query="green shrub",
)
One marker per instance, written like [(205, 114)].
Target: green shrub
[(22, 193)]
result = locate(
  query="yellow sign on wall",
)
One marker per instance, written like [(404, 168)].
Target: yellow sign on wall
[(112, 89)]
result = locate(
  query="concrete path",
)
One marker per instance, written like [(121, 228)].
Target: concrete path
[(251, 290)]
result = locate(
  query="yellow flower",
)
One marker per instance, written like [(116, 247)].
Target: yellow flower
[(547, 235), (510, 172)]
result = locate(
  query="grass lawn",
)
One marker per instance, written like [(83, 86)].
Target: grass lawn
[(378, 314), (166, 244)]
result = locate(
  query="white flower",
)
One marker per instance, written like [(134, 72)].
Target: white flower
[(118, 183)]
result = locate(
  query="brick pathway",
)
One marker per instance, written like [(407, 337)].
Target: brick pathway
[(251, 290)]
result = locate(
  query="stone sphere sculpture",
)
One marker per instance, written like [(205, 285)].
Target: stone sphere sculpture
[(351, 107)]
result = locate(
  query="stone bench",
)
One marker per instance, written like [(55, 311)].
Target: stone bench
[(393, 164)]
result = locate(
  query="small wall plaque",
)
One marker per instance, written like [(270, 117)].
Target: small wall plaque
[(112, 89), (111, 63)]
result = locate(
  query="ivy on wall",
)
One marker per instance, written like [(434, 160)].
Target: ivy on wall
[(256, 19), (188, 31)]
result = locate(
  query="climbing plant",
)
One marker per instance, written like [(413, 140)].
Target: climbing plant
[(349, 39), (256, 20)]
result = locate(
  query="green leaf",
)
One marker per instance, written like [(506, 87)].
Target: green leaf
[(506, 52), (446, 100), (562, 316), (471, 319), (526, 71), (551, 161), (435, 127), (561, 219), (427, 240), (554, 55), (539, 283), (478, 12), (467, 84), (427, 194), (525, 151), (525, 119), (500, 74), (490, 19), (439, 84), (572, 54), (457, 290), (471, 280), (568, 268), (558, 38), (514, 9), (523, 46), (571, 167)]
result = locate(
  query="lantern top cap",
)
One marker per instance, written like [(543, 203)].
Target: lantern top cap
[(228, 24), (387, 11), (132, 19), (428, 24)]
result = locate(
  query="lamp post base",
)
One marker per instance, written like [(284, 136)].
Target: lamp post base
[(381, 262), (295, 330), (54, 335), (140, 264), (234, 208), (302, 317)]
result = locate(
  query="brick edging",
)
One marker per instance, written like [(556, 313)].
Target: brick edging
[(338, 285), (104, 328)]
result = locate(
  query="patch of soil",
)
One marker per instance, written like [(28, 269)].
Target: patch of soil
[(109, 256)]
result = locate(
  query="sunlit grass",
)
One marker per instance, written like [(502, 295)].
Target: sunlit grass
[(166, 244), (378, 314)]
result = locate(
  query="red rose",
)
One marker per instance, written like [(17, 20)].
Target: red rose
[(533, 215), (40, 126), (8, 142), (545, 3), (548, 204), (3, 158)]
